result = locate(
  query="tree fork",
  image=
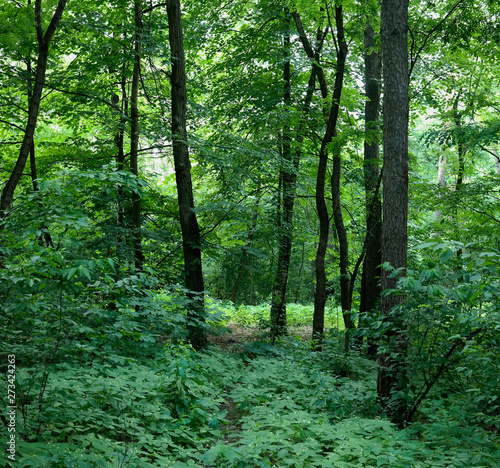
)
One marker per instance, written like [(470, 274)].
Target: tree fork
[(320, 296)]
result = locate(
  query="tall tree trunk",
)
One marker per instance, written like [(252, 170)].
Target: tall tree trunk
[(370, 285), (457, 119), (324, 222), (34, 104), (288, 178), (46, 239), (392, 376), (191, 240), (345, 277), (134, 135)]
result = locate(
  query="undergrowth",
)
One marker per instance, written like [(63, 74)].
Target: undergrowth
[(298, 315), (294, 411)]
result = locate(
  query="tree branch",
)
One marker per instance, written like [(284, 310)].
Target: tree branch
[(413, 60)]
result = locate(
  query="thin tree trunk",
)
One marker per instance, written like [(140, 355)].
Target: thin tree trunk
[(34, 104), (370, 283), (392, 377), (457, 119), (191, 240), (288, 179), (345, 277), (324, 222), (47, 238), (299, 275), (134, 135)]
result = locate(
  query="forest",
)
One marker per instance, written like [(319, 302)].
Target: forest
[(250, 233)]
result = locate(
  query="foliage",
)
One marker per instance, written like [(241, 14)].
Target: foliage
[(298, 315), (104, 376), (451, 319)]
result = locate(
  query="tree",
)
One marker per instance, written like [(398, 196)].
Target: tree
[(324, 221), (191, 240), (287, 181), (134, 134), (370, 279), (394, 34), (44, 39)]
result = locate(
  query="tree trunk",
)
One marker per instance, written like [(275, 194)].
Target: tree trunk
[(324, 222), (345, 277), (34, 104), (120, 160), (457, 119), (392, 376), (46, 239), (370, 285), (191, 240), (134, 135), (288, 179)]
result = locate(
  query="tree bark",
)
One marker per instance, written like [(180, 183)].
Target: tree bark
[(134, 135), (191, 240), (497, 160), (34, 104), (288, 179), (457, 119), (46, 239), (345, 277), (370, 283), (392, 376), (330, 134)]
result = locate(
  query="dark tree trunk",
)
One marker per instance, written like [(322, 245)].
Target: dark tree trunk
[(370, 279), (120, 161), (34, 104), (134, 135), (324, 222), (191, 240), (345, 277), (457, 119), (392, 376), (288, 179), (45, 239)]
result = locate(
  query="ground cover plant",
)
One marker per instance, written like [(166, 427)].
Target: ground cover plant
[(251, 233), (261, 404)]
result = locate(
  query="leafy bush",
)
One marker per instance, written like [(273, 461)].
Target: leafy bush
[(452, 318)]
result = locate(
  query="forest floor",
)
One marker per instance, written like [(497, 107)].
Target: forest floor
[(244, 402), (289, 407)]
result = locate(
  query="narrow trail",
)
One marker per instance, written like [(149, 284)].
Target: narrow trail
[(232, 428)]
